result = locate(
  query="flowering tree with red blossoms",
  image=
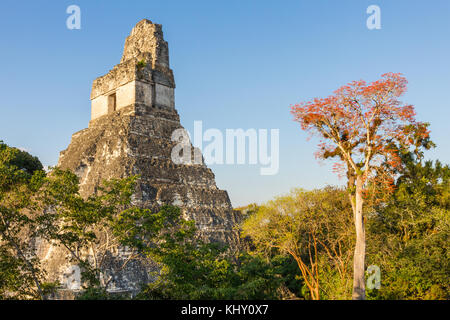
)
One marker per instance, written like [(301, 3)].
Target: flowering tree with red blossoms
[(366, 128)]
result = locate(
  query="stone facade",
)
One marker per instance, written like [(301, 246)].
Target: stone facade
[(133, 118), (143, 75)]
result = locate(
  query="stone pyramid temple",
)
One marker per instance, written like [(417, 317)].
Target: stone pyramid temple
[(133, 117)]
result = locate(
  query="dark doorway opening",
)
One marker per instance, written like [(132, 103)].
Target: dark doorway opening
[(112, 103)]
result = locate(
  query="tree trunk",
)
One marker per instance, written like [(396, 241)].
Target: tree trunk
[(359, 290), (316, 292)]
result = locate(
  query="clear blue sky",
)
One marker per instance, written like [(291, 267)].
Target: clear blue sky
[(237, 64)]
